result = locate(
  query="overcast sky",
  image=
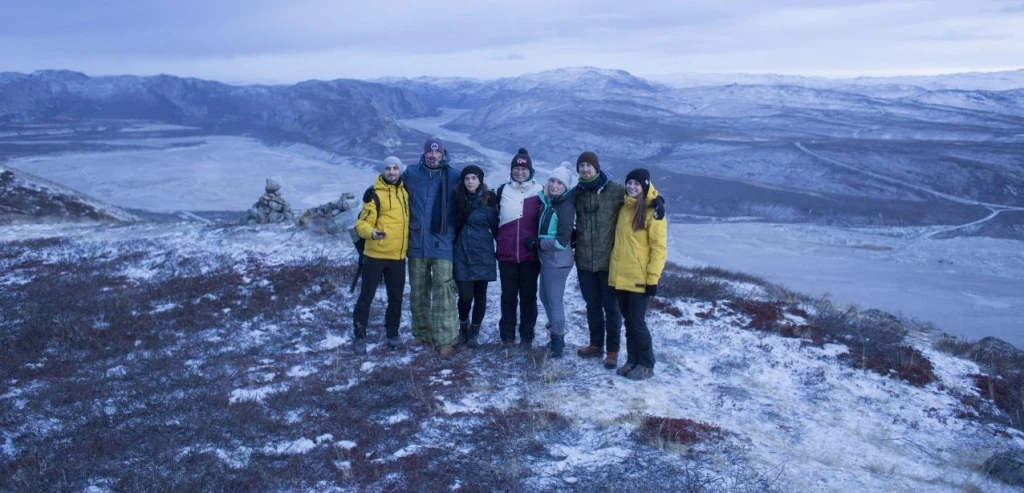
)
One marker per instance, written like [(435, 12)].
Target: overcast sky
[(262, 41)]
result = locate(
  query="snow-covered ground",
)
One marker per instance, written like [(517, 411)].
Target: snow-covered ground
[(786, 407), (223, 173)]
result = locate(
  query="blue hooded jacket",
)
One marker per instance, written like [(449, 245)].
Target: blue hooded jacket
[(431, 222)]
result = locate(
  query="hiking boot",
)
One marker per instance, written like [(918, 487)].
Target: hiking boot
[(640, 372), (526, 344), (395, 343), (473, 334), (463, 333), (445, 351), (590, 351), (611, 359), (417, 342), (359, 347), (557, 346), (625, 369)]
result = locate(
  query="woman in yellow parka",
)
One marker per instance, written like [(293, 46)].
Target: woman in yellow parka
[(637, 260)]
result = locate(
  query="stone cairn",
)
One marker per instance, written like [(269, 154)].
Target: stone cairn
[(270, 208), (330, 218)]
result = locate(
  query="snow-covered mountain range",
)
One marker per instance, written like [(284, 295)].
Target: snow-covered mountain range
[(349, 115), (888, 151)]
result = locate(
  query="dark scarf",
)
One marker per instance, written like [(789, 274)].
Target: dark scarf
[(439, 216), (599, 181)]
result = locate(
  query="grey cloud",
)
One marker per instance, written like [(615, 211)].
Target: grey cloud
[(180, 33)]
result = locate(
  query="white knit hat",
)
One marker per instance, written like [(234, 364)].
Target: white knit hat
[(392, 160), (563, 174)]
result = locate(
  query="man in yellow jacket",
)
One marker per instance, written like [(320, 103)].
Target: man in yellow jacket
[(384, 224), (635, 267)]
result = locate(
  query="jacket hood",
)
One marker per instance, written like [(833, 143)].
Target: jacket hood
[(382, 183)]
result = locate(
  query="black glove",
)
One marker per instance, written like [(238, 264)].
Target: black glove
[(651, 290), (572, 239), (531, 243), (659, 207)]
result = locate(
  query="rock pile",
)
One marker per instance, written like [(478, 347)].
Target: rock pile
[(270, 208)]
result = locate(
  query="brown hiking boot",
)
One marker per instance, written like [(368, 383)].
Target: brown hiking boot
[(589, 352), (611, 359), (445, 351), (416, 341)]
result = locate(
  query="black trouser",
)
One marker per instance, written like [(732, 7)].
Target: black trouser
[(603, 316), (393, 272), (518, 287), (472, 293), (638, 338)]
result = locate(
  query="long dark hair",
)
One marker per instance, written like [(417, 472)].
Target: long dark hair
[(463, 205), (640, 213)]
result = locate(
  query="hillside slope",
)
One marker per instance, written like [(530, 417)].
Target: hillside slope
[(187, 356)]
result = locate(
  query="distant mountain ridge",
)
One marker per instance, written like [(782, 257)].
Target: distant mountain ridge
[(989, 81), (340, 115), (858, 151)]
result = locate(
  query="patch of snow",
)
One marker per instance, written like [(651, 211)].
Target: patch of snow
[(300, 371), (117, 371), (407, 451), (255, 395), (295, 447), (164, 308), (333, 341)]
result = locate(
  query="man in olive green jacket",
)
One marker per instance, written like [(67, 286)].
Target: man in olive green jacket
[(598, 199)]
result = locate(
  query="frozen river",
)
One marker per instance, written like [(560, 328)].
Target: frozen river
[(972, 287)]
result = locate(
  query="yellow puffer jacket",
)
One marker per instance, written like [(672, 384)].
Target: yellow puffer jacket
[(392, 219), (638, 257)]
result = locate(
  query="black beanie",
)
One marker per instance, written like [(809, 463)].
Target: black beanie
[(588, 157), (641, 175), (472, 170), (522, 158)]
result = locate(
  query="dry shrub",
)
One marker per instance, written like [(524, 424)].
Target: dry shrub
[(902, 361), (677, 282), (667, 308), (768, 316), (1006, 392), (682, 431)]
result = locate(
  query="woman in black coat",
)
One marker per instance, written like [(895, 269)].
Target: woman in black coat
[(475, 264)]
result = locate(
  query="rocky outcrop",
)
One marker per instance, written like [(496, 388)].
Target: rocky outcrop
[(329, 218)]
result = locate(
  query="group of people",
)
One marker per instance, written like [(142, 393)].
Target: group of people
[(458, 236)]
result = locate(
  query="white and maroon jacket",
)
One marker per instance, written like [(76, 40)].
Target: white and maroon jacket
[(518, 217)]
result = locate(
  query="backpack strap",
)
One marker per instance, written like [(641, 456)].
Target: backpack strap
[(371, 194)]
